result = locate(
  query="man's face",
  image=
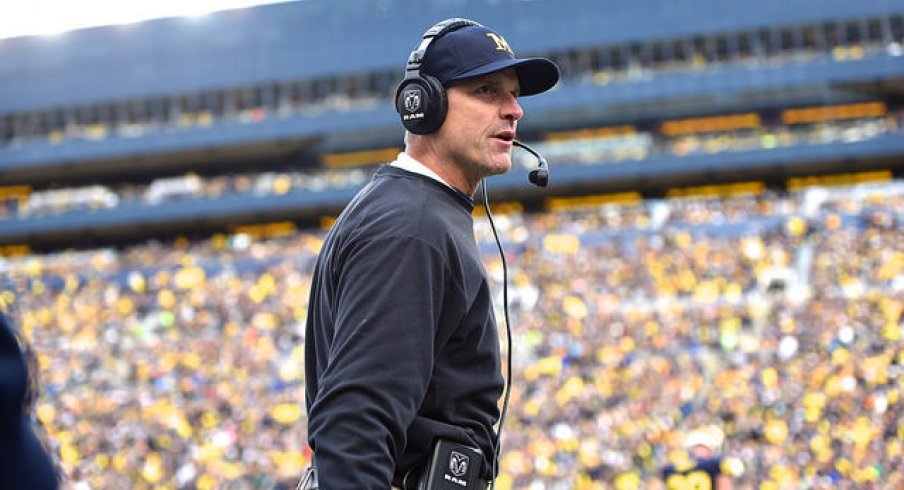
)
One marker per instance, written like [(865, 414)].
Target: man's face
[(701, 451), (480, 125)]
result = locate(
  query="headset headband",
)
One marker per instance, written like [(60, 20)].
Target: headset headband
[(421, 99), (435, 32)]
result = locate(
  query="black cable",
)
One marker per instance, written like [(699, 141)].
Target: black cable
[(497, 446)]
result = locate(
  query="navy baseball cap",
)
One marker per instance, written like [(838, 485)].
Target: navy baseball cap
[(475, 50)]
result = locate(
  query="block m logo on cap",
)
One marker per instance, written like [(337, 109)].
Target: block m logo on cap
[(501, 45)]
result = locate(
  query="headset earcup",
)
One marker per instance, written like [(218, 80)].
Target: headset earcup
[(421, 103)]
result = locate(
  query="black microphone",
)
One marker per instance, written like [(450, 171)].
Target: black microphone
[(540, 175)]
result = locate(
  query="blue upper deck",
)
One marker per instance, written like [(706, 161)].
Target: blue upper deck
[(312, 38)]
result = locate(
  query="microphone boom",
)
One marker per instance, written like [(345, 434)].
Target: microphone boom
[(540, 175)]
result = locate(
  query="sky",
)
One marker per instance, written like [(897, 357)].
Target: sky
[(48, 17)]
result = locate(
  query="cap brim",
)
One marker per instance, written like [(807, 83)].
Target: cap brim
[(535, 75)]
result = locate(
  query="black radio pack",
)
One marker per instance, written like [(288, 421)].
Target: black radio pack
[(453, 466)]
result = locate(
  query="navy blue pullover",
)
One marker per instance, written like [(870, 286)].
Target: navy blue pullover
[(401, 345)]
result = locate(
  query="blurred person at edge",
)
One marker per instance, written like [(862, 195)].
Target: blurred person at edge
[(401, 342), (24, 462), (703, 468)]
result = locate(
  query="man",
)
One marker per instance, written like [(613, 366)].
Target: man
[(23, 460), (401, 343), (703, 470)]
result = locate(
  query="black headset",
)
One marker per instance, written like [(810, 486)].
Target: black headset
[(421, 99)]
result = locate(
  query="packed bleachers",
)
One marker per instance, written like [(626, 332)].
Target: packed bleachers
[(773, 317), (684, 138)]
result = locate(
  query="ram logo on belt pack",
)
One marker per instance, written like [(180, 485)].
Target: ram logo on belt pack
[(458, 463)]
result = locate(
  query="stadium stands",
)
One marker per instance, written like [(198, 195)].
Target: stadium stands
[(774, 317), (587, 146), (720, 246)]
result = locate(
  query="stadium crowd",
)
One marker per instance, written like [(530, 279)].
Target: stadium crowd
[(772, 320), (624, 146)]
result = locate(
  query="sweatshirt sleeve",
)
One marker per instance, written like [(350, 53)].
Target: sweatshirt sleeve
[(389, 299)]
